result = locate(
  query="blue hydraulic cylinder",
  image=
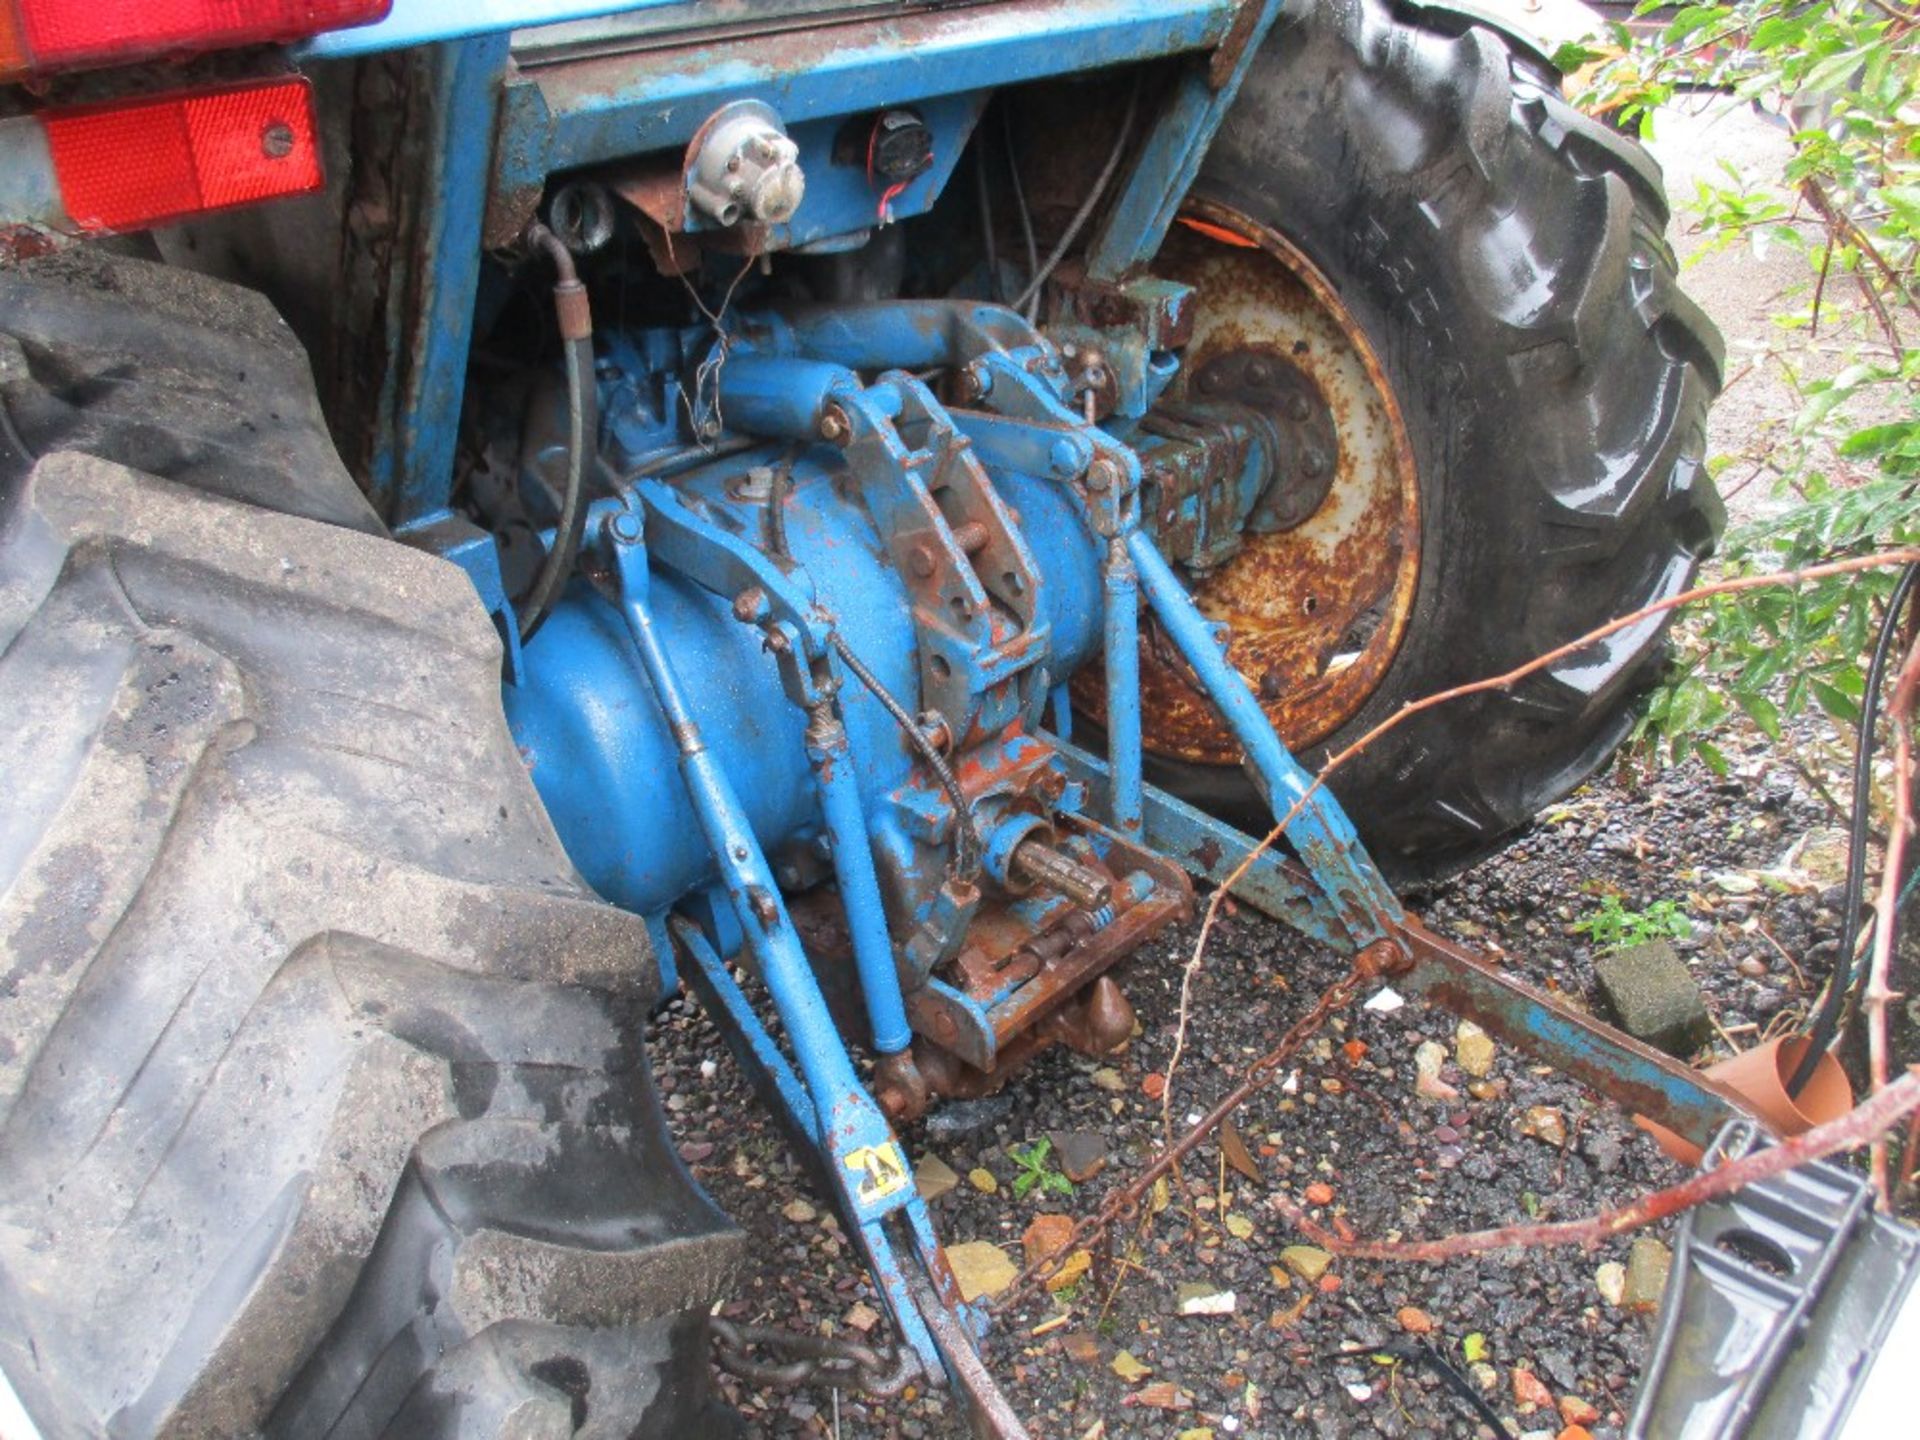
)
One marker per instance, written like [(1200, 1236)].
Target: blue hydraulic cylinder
[(781, 396), (602, 754)]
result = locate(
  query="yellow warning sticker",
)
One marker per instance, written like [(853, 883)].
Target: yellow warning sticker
[(882, 1170)]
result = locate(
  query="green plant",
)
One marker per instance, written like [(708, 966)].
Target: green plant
[(1614, 927), (1845, 470), (1036, 1170)]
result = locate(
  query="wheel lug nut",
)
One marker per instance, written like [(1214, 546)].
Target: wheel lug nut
[(1298, 409)]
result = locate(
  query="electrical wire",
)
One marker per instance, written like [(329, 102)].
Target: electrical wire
[(1028, 302), (583, 431), (995, 289), (1853, 921), (966, 826), (1019, 195)]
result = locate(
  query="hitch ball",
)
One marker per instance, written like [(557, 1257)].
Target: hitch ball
[(742, 167)]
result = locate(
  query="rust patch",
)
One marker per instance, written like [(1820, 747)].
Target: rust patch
[(1316, 612), (1227, 58)]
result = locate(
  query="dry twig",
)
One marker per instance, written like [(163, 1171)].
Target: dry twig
[(1887, 903), (1879, 560), (1866, 1122)]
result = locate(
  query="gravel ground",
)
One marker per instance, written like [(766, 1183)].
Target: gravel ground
[(1390, 1159), (1349, 1134)]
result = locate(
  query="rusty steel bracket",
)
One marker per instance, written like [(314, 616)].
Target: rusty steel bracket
[(1604, 1059)]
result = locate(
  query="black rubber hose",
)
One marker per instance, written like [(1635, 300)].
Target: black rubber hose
[(1852, 922), (966, 831), (583, 431)]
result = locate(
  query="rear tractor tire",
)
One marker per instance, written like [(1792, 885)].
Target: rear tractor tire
[(1475, 279), (323, 1103)]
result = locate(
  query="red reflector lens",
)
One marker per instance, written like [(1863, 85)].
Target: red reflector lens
[(60, 33), (131, 165)]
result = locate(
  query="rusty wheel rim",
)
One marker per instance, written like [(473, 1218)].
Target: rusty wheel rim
[(1318, 612)]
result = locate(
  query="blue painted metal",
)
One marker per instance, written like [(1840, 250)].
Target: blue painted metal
[(838, 776), (609, 108), (873, 1179), (1125, 797), (1079, 539), (1665, 1090), (1165, 167), (436, 280), (871, 1183), (1320, 833), (1210, 850)]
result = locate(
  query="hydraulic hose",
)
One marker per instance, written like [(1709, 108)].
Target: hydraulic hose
[(1841, 984), (575, 317)]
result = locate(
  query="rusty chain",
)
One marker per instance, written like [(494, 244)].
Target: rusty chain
[(1122, 1205), (810, 1359)]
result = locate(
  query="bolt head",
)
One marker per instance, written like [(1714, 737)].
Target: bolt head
[(974, 383), (750, 606), (626, 527), (1298, 409), (1259, 372), (1314, 462), (834, 426), (920, 561)]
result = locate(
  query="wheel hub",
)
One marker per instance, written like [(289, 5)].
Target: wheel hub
[(1286, 400), (1319, 592)]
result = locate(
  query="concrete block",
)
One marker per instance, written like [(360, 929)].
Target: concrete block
[(1654, 997)]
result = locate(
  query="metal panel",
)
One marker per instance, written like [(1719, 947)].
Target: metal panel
[(423, 22), (1615, 1064), (1165, 167), (609, 108), (411, 470)]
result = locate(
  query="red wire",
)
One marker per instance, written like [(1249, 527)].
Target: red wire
[(887, 196)]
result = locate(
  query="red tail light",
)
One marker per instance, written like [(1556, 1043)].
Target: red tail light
[(48, 35), (137, 163)]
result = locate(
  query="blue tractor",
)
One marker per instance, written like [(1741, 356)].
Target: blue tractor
[(853, 507)]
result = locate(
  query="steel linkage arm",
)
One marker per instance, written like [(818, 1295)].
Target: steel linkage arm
[(866, 1170)]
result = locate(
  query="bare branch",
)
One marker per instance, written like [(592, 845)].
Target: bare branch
[(1866, 1122), (1887, 904), (1880, 560)]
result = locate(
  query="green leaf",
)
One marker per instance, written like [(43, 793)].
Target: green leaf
[(1473, 1349), (1763, 712), (1835, 701), (1573, 56)]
